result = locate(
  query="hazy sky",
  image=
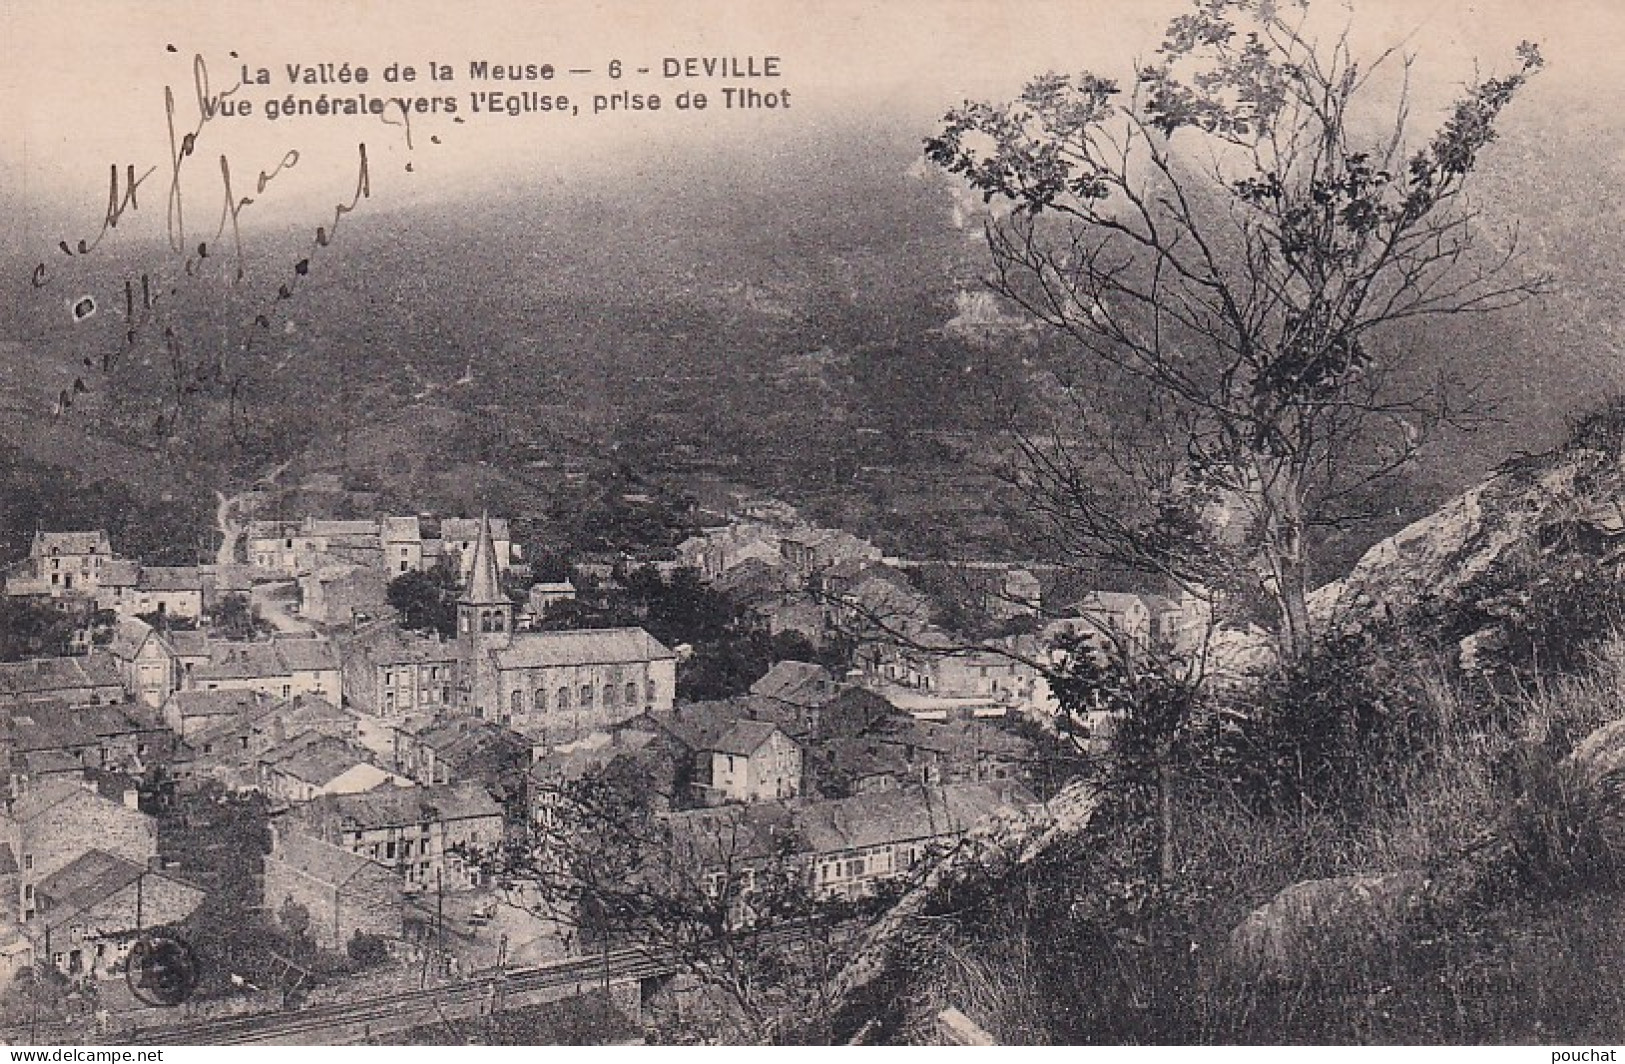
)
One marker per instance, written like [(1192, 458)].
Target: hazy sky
[(83, 85)]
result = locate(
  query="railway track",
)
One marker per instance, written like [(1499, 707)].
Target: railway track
[(339, 1022)]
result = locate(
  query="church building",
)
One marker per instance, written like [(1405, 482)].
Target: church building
[(552, 687)]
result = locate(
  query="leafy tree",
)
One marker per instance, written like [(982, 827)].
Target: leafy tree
[(427, 599), (234, 617), (1235, 248), (32, 630)]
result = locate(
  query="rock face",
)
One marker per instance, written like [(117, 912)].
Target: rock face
[(1529, 517), (1322, 924), (1598, 755)]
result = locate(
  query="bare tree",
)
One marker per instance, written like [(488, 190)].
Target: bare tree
[(723, 894), (1238, 249)]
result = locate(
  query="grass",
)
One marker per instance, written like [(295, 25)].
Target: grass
[(1510, 945)]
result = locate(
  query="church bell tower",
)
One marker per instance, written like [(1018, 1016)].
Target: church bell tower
[(484, 623)]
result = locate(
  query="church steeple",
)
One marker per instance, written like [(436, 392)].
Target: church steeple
[(484, 610), (484, 583)]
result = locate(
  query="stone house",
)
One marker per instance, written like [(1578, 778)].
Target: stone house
[(312, 765), (145, 660), (63, 565), (393, 674), (753, 761), (427, 834), (56, 821), (92, 910), (339, 893), (855, 844), (93, 679)]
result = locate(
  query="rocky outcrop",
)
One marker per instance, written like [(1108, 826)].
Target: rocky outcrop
[(1317, 926), (1478, 555)]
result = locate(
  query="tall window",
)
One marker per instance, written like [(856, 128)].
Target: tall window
[(653, 690), (609, 695), (563, 701), (586, 696), (539, 700), (516, 702), (631, 693)]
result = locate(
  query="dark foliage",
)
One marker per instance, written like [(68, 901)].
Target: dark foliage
[(1319, 733), (427, 599), (32, 630)]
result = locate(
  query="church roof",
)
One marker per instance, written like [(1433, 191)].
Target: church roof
[(582, 646), (484, 587)]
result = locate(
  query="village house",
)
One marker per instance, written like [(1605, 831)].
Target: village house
[(393, 674), (936, 673), (653, 763), (856, 844), (449, 749), (460, 536), (846, 848), (871, 603), (56, 821), (195, 714), (753, 761), (145, 661), (796, 683), (231, 731), (283, 666), (47, 736), (545, 595), (429, 835), (402, 541), (719, 550), (167, 591), (91, 911), (62, 565), (92, 679), (336, 893), (705, 745), (312, 765), (809, 551), (335, 593)]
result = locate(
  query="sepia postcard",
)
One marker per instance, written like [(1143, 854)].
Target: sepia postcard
[(1053, 522)]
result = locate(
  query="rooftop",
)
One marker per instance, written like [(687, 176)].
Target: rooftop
[(319, 859), (71, 542), (171, 578), (400, 806), (45, 675), (587, 646)]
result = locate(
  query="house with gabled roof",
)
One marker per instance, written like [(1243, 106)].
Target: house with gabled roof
[(753, 761), (313, 765), (149, 666), (797, 683), (57, 819), (62, 565), (92, 911), (91, 679), (333, 893)]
